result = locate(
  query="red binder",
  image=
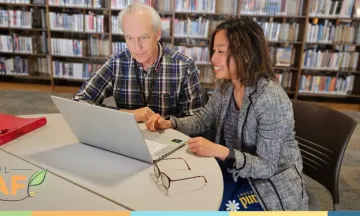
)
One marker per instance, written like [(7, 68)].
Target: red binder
[(12, 127)]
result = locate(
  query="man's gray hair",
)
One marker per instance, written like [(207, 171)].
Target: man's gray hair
[(156, 20)]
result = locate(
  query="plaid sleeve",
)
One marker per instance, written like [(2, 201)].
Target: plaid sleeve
[(190, 94), (99, 86)]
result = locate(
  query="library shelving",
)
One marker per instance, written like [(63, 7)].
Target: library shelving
[(314, 44)]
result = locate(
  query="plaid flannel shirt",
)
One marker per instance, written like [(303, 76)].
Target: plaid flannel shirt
[(176, 91)]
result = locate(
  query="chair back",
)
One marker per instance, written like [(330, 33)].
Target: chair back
[(323, 135)]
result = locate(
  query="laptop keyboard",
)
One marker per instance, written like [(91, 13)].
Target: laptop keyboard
[(154, 146)]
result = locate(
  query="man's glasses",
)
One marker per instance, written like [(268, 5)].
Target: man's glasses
[(166, 180)]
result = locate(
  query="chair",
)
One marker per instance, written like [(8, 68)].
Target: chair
[(323, 135)]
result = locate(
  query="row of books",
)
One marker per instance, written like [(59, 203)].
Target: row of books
[(344, 48), (14, 66), (94, 23), (165, 26), (329, 33), (337, 8), (68, 47), (275, 31), (357, 9), (63, 21), (198, 6), (118, 47), (35, 18), (272, 7), (98, 47), (76, 22), (226, 7), (165, 5), (15, 43), (4, 18), (115, 25), (15, 18), (207, 75), (191, 27), (159, 5), (357, 37), (82, 48), (39, 67), (79, 3), (285, 78), (121, 4), (39, 44), (15, 1), (74, 70), (23, 66), (330, 60), (323, 84), (282, 56), (198, 54)]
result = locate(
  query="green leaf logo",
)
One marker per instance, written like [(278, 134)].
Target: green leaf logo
[(37, 178)]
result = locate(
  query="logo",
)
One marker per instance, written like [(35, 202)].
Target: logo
[(15, 187)]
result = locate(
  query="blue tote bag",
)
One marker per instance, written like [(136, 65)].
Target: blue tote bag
[(238, 196)]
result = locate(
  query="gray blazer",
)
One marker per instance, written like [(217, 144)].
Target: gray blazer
[(268, 154)]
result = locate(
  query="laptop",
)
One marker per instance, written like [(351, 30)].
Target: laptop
[(116, 131)]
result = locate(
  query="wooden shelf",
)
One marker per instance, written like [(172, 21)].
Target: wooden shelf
[(330, 17), (332, 44), (24, 54), (191, 37), (79, 32), (267, 15), (284, 68), (208, 85), (213, 85), (23, 29), (349, 95), (202, 13), (70, 79), (333, 71), (27, 76), (82, 57), (286, 42), (23, 5), (78, 8), (289, 91)]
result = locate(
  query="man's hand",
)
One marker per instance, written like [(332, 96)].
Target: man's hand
[(142, 114), (156, 122), (204, 147)]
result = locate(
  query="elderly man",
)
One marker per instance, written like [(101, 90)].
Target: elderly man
[(145, 78)]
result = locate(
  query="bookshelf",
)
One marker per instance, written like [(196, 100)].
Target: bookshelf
[(314, 44)]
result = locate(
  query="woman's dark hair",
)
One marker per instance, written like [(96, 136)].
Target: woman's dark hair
[(249, 48)]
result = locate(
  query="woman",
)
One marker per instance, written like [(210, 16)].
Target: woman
[(253, 116)]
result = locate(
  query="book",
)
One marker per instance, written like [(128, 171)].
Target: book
[(12, 127)]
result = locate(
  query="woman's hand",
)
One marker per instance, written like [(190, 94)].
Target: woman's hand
[(141, 114), (156, 122), (204, 147)]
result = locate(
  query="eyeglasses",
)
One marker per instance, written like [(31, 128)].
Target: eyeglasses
[(166, 181)]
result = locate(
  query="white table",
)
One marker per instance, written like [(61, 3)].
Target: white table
[(54, 194), (125, 181)]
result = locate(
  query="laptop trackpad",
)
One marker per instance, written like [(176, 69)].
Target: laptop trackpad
[(163, 137)]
